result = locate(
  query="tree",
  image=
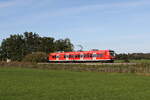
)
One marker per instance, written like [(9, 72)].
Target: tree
[(63, 45), (31, 42), (1, 56), (12, 47), (46, 44), (17, 46)]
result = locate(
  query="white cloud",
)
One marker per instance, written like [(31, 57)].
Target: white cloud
[(7, 4), (11, 3)]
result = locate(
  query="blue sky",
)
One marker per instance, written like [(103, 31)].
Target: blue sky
[(121, 25)]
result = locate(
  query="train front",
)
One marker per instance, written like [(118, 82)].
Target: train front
[(112, 55)]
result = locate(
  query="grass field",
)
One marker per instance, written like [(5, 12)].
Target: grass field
[(36, 84)]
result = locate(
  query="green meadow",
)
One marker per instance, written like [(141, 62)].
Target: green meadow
[(39, 84)]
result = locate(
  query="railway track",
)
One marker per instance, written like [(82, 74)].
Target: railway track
[(90, 63)]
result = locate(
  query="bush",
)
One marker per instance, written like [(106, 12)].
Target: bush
[(36, 57), (126, 60)]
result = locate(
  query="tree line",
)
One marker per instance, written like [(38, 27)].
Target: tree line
[(133, 56), (24, 46), (17, 46)]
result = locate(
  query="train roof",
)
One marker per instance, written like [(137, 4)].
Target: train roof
[(78, 52)]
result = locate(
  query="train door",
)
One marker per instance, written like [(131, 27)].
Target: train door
[(67, 56), (81, 56), (94, 56), (57, 57)]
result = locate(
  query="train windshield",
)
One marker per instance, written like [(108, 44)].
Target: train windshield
[(112, 53)]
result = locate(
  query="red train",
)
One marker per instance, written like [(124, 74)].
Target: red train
[(83, 56)]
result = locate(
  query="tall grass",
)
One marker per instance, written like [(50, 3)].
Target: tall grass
[(134, 61), (120, 68)]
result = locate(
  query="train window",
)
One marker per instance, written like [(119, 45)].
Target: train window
[(100, 55), (86, 55), (75, 56), (57, 56), (81, 56), (66, 56), (78, 56), (94, 55), (112, 53), (53, 56), (71, 56), (90, 55)]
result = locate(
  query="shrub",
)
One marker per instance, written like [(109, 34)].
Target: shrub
[(126, 60), (36, 57)]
